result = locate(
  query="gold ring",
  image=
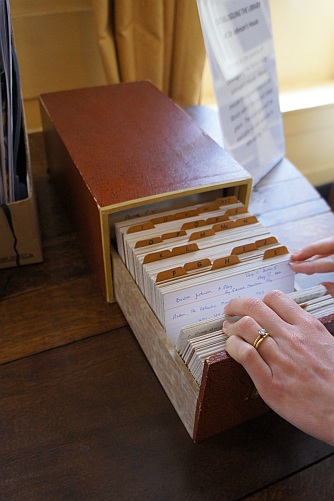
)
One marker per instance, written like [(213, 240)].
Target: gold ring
[(262, 335)]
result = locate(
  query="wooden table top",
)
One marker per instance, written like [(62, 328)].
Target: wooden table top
[(82, 415)]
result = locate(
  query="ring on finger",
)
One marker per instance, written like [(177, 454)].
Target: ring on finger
[(262, 335)]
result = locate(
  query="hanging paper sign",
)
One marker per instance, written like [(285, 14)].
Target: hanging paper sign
[(240, 50)]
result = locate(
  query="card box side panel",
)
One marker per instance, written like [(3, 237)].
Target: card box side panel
[(80, 206), (227, 397), (173, 375), (328, 322)]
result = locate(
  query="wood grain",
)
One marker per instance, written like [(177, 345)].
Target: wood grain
[(314, 483), (63, 260), (89, 420), (54, 315)]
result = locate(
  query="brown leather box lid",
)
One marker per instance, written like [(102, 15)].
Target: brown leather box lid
[(129, 141)]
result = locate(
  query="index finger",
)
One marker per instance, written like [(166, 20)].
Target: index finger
[(275, 312), (322, 247), (262, 313), (285, 307)]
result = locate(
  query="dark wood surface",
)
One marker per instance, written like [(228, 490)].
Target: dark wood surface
[(82, 415)]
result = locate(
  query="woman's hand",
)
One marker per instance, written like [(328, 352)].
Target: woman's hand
[(314, 258), (293, 367)]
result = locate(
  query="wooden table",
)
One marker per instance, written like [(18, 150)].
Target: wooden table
[(82, 415)]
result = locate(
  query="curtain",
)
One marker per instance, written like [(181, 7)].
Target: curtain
[(156, 40)]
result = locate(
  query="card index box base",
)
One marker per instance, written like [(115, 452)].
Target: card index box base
[(123, 150), (226, 396)]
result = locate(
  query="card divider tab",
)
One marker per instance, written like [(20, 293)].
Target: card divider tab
[(157, 256), (242, 249), (219, 263), (217, 219), (141, 227), (208, 208), (266, 241), (232, 199), (224, 262), (148, 242), (164, 254), (193, 224), (276, 251), (177, 272), (237, 223), (236, 210), (227, 225), (184, 249), (198, 265), (246, 220), (173, 234), (197, 235)]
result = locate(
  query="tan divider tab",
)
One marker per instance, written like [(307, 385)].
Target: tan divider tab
[(223, 262), (241, 249), (193, 224), (246, 220), (173, 234), (197, 235), (266, 241), (208, 208), (227, 200), (186, 213), (223, 226), (140, 227), (197, 265), (148, 241), (157, 256), (169, 274), (216, 219), (184, 249), (277, 251), (163, 219), (236, 210)]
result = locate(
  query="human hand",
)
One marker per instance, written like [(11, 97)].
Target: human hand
[(293, 367), (317, 257)]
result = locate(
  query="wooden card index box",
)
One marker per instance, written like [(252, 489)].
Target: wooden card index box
[(117, 148), (122, 150)]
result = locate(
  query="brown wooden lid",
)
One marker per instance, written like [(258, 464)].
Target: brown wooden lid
[(129, 141)]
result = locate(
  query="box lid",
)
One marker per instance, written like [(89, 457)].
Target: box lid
[(129, 142)]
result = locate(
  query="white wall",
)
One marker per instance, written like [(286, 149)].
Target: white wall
[(56, 48)]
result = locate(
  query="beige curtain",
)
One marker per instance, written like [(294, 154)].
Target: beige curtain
[(156, 40)]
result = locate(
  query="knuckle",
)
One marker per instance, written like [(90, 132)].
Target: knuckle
[(246, 354), (273, 296), (246, 323), (255, 305)]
